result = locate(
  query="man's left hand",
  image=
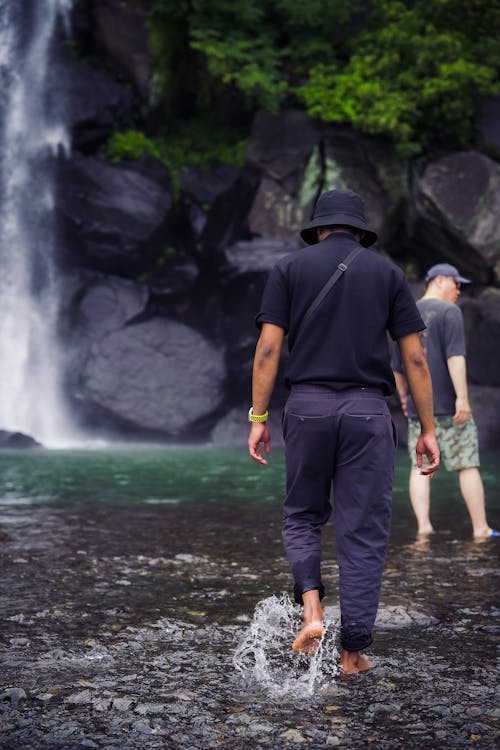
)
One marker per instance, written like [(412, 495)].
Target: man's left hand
[(259, 433)]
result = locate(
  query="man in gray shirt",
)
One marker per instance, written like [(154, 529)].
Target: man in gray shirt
[(444, 342)]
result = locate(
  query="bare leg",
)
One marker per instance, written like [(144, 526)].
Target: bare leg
[(308, 639), (352, 662), (471, 486), (420, 500)]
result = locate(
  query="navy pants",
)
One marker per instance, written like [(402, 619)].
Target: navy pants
[(342, 442)]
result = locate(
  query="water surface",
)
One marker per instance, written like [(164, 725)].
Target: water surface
[(130, 579)]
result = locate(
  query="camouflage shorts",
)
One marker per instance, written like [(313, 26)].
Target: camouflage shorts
[(457, 442)]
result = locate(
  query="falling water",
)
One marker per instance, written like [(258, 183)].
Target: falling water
[(31, 398), (264, 654)]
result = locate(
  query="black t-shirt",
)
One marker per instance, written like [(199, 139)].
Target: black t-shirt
[(345, 344)]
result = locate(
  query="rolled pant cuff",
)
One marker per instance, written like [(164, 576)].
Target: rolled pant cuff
[(300, 589), (353, 637)]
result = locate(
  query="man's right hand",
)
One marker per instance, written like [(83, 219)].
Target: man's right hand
[(427, 446), (259, 433), (462, 411)]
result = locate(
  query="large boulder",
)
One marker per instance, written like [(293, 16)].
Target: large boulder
[(213, 210), (368, 165), (259, 255), (108, 303), (490, 124), (121, 37), (284, 151), (157, 377), (90, 104), (455, 208), (482, 331), (485, 403), (17, 440), (114, 219), (245, 272), (297, 158)]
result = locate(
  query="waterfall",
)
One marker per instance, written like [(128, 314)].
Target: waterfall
[(31, 395)]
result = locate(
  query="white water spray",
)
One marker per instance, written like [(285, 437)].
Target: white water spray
[(264, 655), (31, 398)]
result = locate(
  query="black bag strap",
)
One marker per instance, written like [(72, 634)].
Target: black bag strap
[(341, 268)]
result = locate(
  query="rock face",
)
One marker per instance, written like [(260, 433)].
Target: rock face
[(456, 206), (16, 440), (113, 217), (482, 330), (159, 315), (156, 377), (122, 38), (92, 104)]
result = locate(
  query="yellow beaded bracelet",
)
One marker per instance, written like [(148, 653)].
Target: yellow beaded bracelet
[(257, 417)]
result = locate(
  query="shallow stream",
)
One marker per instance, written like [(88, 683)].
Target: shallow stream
[(130, 581)]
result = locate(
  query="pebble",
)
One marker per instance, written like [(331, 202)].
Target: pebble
[(332, 740), (142, 727), (13, 695), (292, 735), (121, 704), (150, 708)]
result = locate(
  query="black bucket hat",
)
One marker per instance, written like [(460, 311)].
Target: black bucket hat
[(338, 207)]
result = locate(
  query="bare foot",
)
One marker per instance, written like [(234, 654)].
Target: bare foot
[(485, 534), (424, 532), (308, 639), (352, 662)]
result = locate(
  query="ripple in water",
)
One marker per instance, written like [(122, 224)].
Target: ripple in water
[(264, 655)]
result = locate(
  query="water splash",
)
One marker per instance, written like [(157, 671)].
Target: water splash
[(31, 399), (264, 654)]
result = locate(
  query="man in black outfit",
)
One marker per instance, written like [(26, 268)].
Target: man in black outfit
[(337, 428)]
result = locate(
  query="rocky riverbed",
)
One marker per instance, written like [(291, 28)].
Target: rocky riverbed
[(120, 625)]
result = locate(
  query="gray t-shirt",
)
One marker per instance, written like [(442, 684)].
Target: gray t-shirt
[(444, 337)]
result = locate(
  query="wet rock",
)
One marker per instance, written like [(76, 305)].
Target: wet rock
[(490, 123), (456, 203), (107, 303), (121, 37), (138, 375), (369, 166), (14, 696), (142, 728), (485, 402), (332, 740), (122, 704), (113, 219), (149, 708), (293, 735), (17, 440), (283, 151), (91, 103), (257, 255), (85, 696), (482, 331)]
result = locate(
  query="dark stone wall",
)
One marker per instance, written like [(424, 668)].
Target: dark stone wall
[(159, 292)]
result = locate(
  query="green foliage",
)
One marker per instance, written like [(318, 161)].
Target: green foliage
[(417, 73), (253, 47), (198, 143), (131, 144)]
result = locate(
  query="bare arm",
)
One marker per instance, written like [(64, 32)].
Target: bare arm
[(402, 389), (420, 385), (265, 369), (458, 374)]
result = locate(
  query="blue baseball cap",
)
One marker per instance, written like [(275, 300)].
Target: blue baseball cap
[(445, 269)]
